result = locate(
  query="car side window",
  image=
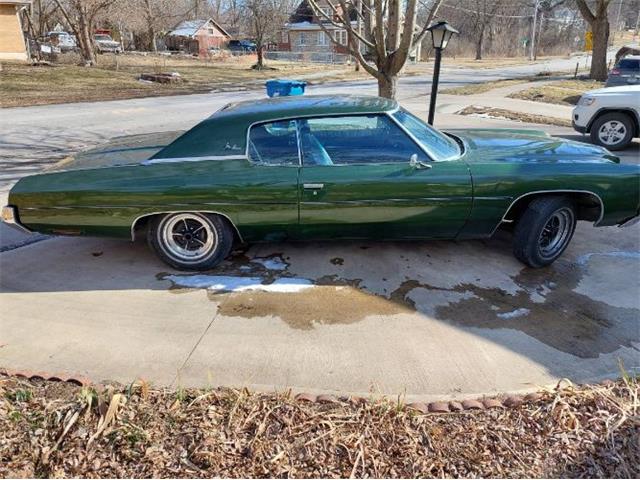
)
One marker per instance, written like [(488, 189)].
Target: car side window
[(355, 139), (274, 143)]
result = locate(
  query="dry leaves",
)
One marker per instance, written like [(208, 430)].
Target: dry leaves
[(54, 429)]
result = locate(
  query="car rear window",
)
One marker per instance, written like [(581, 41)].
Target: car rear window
[(629, 64)]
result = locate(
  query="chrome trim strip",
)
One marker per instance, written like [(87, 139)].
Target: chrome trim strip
[(152, 161), (503, 219), (133, 225)]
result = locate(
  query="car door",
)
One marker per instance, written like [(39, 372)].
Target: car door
[(270, 186), (363, 176)]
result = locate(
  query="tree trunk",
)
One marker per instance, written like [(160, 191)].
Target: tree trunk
[(152, 39), (600, 29), (479, 44), (260, 62), (387, 86), (86, 46)]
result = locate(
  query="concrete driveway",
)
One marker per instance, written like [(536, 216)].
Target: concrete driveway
[(426, 320)]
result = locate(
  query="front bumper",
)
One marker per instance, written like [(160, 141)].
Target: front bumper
[(578, 128), (10, 217)]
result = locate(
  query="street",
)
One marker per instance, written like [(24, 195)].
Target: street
[(426, 320)]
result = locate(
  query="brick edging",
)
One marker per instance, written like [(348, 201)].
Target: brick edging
[(446, 406)]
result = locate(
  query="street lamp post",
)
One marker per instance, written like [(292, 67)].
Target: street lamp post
[(441, 33)]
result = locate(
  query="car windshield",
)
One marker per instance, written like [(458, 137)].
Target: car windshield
[(437, 143)]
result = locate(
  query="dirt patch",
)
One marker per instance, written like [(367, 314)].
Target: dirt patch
[(324, 305), (513, 115), (563, 92)]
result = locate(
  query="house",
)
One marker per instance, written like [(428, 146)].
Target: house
[(304, 32), (12, 39), (197, 36)]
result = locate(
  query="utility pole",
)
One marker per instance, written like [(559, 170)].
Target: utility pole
[(359, 31), (533, 31), (616, 26)]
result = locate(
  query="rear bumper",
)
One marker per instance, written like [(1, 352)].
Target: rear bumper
[(10, 217)]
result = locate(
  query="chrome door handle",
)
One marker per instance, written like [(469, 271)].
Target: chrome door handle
[(313, 186)]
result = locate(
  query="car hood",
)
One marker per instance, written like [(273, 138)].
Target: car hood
[(512, 145), (126, 150)]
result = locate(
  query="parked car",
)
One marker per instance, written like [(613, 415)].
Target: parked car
[(63, 40), (626, 72), (106, 44), (328, 167), (241, 46), (610, 115)]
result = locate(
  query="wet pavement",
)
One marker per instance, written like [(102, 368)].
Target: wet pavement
[(422, 319)]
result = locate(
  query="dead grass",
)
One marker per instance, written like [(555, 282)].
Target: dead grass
[(115, 78), (58, 430), (476, 88), (562, 92), (513, 115)]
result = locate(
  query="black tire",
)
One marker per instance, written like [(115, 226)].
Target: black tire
[(535, 242), (621, 127), (190, 240)]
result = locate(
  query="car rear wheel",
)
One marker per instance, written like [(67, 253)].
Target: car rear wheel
[(544, 230), (190, 241), (613, 131)]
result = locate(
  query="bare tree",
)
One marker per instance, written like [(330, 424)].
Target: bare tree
[(484, 16), (390, 34), (598, 19), (81, 16), (266, 18)]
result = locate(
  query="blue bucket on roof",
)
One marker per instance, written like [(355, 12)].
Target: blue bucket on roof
[(285, 88)]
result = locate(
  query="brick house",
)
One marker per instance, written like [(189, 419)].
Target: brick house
[(303, 33), (197, 36), (12, 40)]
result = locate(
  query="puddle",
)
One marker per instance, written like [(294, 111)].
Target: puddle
[(567, 321), (325, 305), (545, 304)]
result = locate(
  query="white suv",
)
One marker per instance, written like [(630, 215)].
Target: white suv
[(610, 115)]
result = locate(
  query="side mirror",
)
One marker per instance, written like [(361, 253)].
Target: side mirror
[(417, 164)]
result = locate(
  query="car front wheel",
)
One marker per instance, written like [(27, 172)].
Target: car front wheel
[(544, 230), (190, 241), (612, 130)]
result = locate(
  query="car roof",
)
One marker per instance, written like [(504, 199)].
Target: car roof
[(631, 57), (231, 122), (305, 105)]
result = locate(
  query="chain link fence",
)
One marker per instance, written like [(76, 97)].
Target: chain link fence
[(309, 57)]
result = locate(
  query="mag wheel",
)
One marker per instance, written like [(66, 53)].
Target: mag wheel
[(190, 241)]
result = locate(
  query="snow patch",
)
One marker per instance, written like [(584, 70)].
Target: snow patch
[(223, 283), (520, 312), (584, 259), (271, 263)]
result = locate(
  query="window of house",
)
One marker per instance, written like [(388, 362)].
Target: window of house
[(326, 11), (323, 39), (303, 38), (355, 139), (341, 37), (274, 143), (211, 31), (284, 36)]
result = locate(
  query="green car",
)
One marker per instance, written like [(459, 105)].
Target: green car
[(328, 167)]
